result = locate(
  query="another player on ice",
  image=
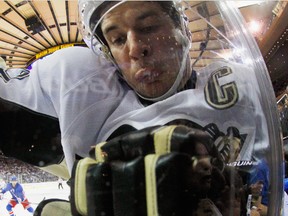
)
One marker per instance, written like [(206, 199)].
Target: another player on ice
[(18, 196)]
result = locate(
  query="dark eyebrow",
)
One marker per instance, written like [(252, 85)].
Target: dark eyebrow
[(139, 18), (146, 14), (111, 28)]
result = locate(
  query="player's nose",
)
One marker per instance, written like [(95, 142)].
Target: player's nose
[(139, 47)]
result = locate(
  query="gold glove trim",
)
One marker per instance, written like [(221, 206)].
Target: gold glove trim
[(100, 155), (162, 139), (151, 184), (80, 185)]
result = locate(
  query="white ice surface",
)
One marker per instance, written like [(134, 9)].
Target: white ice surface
[(35, 193)]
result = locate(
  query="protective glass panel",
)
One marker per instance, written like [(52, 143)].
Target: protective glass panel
[(186, 115), (282, 104)]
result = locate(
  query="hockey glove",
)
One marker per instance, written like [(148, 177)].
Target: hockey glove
[(53, 207), (155, 171)]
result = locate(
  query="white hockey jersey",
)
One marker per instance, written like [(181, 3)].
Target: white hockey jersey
[(84, 93)]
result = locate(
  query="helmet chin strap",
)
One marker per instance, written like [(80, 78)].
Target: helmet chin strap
[(173, 89)]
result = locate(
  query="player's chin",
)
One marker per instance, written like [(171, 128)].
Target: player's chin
[(152, 90)]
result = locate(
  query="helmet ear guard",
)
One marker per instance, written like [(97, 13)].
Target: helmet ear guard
[(2, 63), (106, 51), (101, 48)]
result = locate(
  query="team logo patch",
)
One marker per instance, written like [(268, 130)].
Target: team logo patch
[(218, 94)]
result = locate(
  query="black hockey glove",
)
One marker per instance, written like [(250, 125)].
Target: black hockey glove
[(163, 170)]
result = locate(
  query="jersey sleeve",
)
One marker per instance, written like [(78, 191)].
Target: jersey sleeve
[(57, 107), (3, 190), (7, 188), (40, 88)]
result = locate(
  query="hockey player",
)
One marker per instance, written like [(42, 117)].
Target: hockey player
[(60, 183), (150, 83), (18, 196), (96, 104)]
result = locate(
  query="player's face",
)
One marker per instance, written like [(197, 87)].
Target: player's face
[(145, 45), (14, 183)]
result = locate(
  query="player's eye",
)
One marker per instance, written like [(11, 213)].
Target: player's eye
[(148, 29), (118, 41)]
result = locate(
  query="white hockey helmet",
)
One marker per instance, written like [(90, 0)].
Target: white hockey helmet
[(90, 17), (91, 14), (2, 63)]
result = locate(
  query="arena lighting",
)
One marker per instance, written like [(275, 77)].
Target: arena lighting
[(255, 27)]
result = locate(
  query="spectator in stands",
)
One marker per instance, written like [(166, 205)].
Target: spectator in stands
[(258, 182), (27, 172)]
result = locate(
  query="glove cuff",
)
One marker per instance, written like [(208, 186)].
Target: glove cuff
[(55, 207)]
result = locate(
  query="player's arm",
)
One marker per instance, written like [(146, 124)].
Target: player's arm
[(23, 87), (26, 108), (3, 190)]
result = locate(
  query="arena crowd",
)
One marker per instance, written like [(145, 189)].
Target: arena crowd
[(26, 173)]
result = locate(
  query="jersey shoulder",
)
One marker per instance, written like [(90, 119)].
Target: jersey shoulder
[(71, 65), (77, 57)]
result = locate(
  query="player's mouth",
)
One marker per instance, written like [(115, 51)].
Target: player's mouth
[(146, 75)]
